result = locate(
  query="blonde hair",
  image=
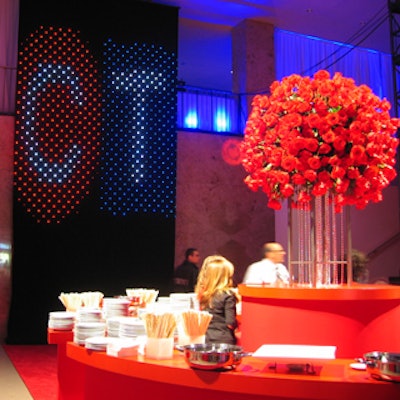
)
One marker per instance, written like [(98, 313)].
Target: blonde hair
[(215, 277)]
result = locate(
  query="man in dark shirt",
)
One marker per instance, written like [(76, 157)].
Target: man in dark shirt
[(185, 275)]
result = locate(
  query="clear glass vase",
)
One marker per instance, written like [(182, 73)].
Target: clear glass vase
[(319, 243)]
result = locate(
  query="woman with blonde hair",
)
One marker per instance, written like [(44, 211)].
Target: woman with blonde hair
[(216, 295)]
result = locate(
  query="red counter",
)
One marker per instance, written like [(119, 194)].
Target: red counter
[(70, 373), (103, 377), (357, 319)]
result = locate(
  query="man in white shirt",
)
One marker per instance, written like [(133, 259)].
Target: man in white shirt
[(270, 270)]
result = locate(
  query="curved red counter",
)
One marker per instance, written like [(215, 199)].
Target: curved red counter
[(357, 319), (103, 377), (69, 372)]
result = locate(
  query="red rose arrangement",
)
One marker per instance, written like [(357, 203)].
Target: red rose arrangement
[(313, 136)]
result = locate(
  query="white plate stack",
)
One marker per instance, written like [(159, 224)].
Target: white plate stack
[(114, 307), (84, 330), (97, 343), (163, 304), (182, 301), (130, 327), (61, 320), (86, 314), (113, 326), (163, 300)]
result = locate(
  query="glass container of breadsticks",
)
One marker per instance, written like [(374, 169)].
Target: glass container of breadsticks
[(192, 326), (160, 328)]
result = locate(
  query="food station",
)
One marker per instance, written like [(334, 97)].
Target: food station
[(321, 144), (197, 372), (357, 318)]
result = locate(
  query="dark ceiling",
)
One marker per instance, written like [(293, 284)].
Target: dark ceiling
[(204, 57)]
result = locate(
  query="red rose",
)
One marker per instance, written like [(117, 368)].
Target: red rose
[(310, 175), (299, 179), (289, 163), (339, 144), (338, 172), (324, 148), (314, 162), (287, 190), (357, 153), (274, 204)]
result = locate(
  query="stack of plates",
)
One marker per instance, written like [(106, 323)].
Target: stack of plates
[(182, 301), (97, 343), (86, 314), (163, 300), (130, 327), (113, 326), (84, 330), (113, 307), (61, 320)]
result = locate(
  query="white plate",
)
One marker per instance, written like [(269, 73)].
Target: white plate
[(60, 327), (359, 366), (99, 340), (61, 315)]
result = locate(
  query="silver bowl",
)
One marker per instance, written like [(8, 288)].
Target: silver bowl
[(383, 365), (213, 356)]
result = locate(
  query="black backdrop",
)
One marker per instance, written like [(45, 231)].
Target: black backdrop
[(90, 250)]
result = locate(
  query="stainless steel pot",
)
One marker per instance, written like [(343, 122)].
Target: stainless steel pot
[(383, 365), (213, 356)]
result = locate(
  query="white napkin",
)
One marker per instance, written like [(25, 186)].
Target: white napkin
[(292, 351)]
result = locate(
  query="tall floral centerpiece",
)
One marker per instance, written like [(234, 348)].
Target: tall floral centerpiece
[(322, 143)]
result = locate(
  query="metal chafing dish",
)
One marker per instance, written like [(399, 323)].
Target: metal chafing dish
[(213, 356), (383, 365)]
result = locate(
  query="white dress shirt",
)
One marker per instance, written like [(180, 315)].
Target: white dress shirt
[(266, 272)]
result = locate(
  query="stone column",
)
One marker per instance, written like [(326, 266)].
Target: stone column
[(252, 59), (253, 63)]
